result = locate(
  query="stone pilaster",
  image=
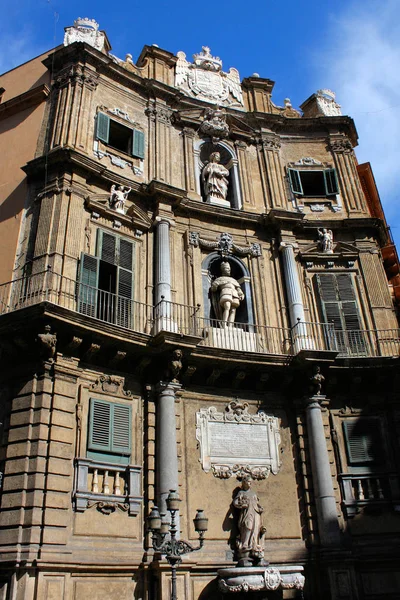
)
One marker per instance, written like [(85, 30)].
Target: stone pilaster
[(188, 153), (343, 154), (167, 455), (271, 147), (327, 516), (71, 118)]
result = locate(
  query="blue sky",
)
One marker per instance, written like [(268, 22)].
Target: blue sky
[(349, 46)]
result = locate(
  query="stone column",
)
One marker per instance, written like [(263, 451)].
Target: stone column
[(328, 525), (163, 261), (293, 289), (164, 318), (167, 455), (296, 309)]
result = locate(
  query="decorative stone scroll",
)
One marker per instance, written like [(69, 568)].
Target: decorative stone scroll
[(224, 245), (237, 443), (109, 384), (215, 124), (307, 161), (256, 579)]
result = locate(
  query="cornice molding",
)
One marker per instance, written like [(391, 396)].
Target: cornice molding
[(24, 101)]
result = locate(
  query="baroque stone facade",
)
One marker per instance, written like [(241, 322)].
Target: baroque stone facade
[(199, 295)]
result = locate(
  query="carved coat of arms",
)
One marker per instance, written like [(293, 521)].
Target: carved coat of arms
[(205, 80)]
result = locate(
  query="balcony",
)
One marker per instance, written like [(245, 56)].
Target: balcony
[(185, 320), (106, 486), (371, 490)]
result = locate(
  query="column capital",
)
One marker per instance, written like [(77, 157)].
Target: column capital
[(162, 219), (288, 244), (167, 387), (321, 402)]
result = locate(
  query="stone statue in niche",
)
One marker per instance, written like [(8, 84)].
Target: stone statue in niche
[(215, 178), (226, 295), (325, 240), (250, 541), (119, 194)]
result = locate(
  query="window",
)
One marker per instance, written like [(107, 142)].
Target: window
[(313, 183), (109, 432), (367, 481), (364, 441), (340, 309), (106, 280), (118, 136)]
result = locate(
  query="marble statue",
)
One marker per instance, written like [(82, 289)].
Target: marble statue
[(215, 178), (226, 296), (250, 541), (119, 194), (316, 381), (326, 240)]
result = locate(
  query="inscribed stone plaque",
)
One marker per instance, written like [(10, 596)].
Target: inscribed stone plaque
[(236, 442)]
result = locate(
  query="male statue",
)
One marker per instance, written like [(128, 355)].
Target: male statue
[(227, 295)]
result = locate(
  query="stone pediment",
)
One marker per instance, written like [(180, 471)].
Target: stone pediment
[(343, 255), (340, 250), (133, 217)]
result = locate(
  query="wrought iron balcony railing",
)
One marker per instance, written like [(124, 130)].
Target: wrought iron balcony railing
[(186, 320)]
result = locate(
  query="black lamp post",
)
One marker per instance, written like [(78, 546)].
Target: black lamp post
[(171, 547)]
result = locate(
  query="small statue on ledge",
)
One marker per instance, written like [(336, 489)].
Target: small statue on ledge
[(47, 343), (250, 541), (174, 366), (325, 242), (317, 381), (119, 194)]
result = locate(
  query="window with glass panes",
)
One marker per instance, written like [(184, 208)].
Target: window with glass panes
[(120, 137)]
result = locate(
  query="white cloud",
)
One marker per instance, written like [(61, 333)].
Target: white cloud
[(361, 62)]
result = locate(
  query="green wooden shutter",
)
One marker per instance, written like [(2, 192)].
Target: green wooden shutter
[(364, 442), (138, 143), (329, 300), (295, 181), (340, 309), (348, 301), (103, 127), (107, 246), (109, 431), (100, 426), (88, 284), (331, 183), (125, 283), (121, 429)]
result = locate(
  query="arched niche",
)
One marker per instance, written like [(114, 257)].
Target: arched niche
[(202, 151), (211, 269)]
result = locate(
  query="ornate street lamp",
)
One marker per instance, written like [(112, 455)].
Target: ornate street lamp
[(171, 547)]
